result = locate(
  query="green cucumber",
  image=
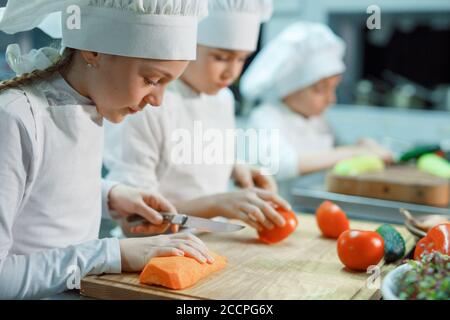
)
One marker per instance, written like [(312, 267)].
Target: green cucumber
[(358, 165), (418, 151), (394, 244)]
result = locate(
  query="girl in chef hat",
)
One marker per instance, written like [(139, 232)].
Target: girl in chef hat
[(118, 58), (296, 76), (145, 152)]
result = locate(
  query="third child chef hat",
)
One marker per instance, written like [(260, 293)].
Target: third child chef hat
[(234, 24), (301, 55), (152, 29)]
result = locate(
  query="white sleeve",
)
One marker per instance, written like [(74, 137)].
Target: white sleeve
[(107, 185), (137, 158), (289, 163), (50, 272), (16, 158), (277, 156), (45, 273), (274, 154)]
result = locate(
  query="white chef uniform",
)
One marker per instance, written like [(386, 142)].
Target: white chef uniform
[(302, 54), (51, 138)]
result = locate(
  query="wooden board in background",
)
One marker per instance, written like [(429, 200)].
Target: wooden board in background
[(304, 266), (397, 183)]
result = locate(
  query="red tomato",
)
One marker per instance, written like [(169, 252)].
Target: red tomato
[(437, 239), (277, 234), (332, 221), (358, 249)]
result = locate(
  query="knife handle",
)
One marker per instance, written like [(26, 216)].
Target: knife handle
[(136, 220)]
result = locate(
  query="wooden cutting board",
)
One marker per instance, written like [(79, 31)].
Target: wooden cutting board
[(397, 183), (304, 266)]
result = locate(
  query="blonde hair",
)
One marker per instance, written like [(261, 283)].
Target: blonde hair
[(28, 78)]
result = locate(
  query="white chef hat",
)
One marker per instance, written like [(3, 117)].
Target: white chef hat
[(301, 55), (234, 24), (153, 29)]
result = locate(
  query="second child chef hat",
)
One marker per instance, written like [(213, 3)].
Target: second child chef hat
[(299, 56), (152, 29), (234, 24)]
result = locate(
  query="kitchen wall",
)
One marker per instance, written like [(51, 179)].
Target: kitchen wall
[(398, 129), (402, 64), (288, 11), (388, 125)]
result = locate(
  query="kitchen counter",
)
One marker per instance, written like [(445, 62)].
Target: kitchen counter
[(303, 266)]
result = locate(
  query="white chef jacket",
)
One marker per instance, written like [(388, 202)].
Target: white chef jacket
[(142, 151), (51, 140), (297, 135)]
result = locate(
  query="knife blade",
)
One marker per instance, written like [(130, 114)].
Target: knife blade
[(189, 222)]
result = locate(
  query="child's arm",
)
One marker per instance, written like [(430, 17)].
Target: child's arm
[(253, 206), (317, 161), (50, 272), (323, 160)]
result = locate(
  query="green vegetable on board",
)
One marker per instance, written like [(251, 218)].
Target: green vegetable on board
[(435, 165), (358, 165)]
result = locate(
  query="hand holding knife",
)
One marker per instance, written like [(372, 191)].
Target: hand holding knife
[(183, 220)]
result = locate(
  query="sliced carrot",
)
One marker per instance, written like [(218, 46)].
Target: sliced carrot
[(179, 272)]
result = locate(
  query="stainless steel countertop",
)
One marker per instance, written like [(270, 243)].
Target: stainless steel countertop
[(307, 192)]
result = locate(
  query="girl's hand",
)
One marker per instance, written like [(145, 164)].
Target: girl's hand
[(136, 252), (370, 146), (247, 177), (255, 207), (126, 201)]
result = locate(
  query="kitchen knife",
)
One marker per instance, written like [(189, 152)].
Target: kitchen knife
[(186, 221)]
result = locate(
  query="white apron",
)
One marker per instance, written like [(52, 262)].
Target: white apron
[(62, 200)]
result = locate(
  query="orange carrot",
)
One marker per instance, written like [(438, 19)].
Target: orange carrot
[(179, 272)]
